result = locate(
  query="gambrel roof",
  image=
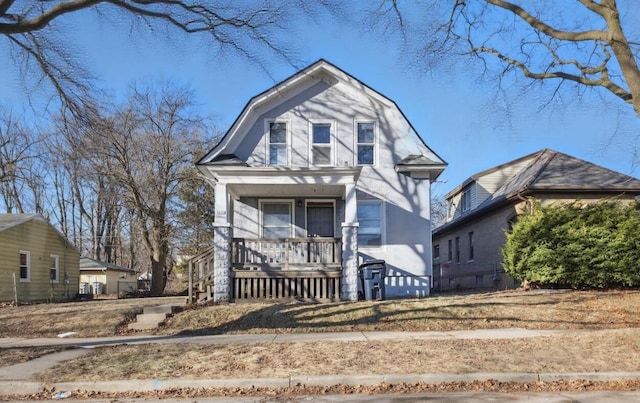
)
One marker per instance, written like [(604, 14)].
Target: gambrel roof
[(320, 71)]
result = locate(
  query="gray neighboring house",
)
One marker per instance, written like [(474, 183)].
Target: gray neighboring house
[(467, 245), (317, 175)]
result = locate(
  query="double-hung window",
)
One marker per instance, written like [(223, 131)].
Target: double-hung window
[(471, 245), (321, 144), (276, 219), (278, 149), (54, 262), (466, 200), (370, 221), (25, 265), (366, 143)]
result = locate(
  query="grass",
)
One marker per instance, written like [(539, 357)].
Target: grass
[(530, 309), (609, 343)]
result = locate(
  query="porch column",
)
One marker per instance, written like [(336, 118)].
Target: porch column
[(350, 245), (222, 243), (222, 262)]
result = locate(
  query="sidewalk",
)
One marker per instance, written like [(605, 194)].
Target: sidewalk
[(18, 378)]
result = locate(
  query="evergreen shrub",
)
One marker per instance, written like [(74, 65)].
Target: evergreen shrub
[(576, 245)]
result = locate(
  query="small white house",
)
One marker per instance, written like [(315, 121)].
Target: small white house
[(97, 277), (317, 175)]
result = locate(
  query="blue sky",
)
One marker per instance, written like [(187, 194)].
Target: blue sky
[(458, 117)]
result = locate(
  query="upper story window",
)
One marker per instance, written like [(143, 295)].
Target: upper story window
[(465, 201), (54, 270), (25, 265), (278, 147), (436, 251), (366, 143), (321, 144)]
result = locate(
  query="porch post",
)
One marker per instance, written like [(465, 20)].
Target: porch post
[(222, 244), (222, 263), (350, 245)]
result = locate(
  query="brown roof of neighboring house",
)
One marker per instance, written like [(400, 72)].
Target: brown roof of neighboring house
[(548, 170), (556, 171)]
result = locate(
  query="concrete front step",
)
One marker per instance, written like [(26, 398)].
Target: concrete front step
[(143, 325), (153, 316), (168, 309)]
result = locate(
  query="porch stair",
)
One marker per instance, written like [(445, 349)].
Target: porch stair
[(201, 277), (206, 295), (152, 316)]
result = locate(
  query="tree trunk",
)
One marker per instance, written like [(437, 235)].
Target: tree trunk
[(157, 276)]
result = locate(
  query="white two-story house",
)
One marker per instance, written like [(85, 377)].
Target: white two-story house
[(317, 175)]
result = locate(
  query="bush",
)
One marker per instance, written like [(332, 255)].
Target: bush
[(592, 246)]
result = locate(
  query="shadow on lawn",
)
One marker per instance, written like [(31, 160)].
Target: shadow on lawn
[(570, 311)]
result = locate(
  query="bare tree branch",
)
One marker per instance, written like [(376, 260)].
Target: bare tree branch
[(247, 29), (537, 24), (586, 46)]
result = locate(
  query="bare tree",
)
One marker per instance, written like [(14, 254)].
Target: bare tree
[(148, 147), (589, 44), (21, 179), (35, 30)]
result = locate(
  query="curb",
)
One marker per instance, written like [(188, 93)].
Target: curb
[(28, 387)]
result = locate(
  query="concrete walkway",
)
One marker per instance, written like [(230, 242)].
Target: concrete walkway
[(17, 379)]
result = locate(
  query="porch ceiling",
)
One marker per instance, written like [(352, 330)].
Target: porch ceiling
[(276, 190), (279, 181)]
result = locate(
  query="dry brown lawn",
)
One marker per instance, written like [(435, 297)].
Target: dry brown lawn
[(88, 319), (612, 350), (538, 309), (610, 343)]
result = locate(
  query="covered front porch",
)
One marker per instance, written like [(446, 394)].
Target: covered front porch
[(280, 233)]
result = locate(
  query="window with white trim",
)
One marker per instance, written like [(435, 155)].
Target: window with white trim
[(370, 221), (366, 143), (277, 219), (278, 147), (54, 263), (321, 144), (25, 265)]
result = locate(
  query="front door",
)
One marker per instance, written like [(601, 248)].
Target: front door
[(320, 219)]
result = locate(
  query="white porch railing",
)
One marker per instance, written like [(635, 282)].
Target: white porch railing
[(285, 253), (273, 269)]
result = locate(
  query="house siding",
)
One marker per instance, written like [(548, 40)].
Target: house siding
[(41, 240), (407, 248), (489, 238), (491, 182), (111, 280), (326, 94)]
